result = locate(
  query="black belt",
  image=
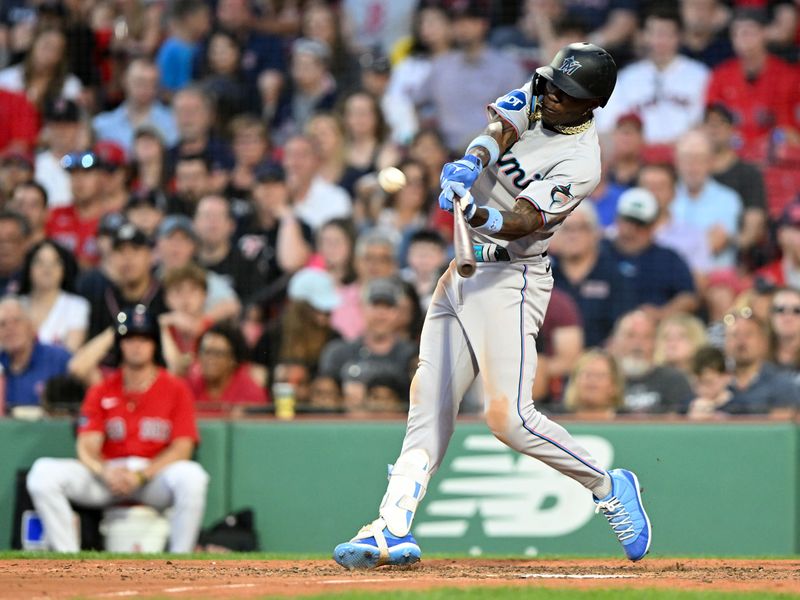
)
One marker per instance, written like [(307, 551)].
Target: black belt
[(495, 253)]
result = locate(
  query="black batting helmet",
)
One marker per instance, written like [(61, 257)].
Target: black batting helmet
[(581, 70)]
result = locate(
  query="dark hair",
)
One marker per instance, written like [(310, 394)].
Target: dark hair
[(418, 47), (68, 263), (428, 236), (665, 13), (381, 128), (181, 9), (417, 316), (708, 357), (348, 229), (193, 157), (570, 23), (31, 183), (207, 68), (234, 337), (56, 82), (20, 220)]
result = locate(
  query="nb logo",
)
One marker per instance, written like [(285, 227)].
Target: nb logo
[(569, 66)]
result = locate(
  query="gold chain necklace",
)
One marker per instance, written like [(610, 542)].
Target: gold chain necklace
[(536, 115)]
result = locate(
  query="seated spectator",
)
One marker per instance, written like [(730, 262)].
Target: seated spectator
[(407, 210), (15, 167), (379, 353), (705, 36), (251, 148), (427, 260), (758, 88), (368, 148), (42, 76), (480, 73), (412, 317), (785, 325), (649, 388), (222, 381), (19, 122), (74, 226), (336, 241), (185, 293), (27, 363), (149, 160), (612, 23), (224, 82), (704, 202), (785, 271), (722, 289), (755, 247), (321, 22), (375, 258), (664, 89), (60, 317), (114, 175), (292, 345), (314, 200), (193, 180), (677, 339), (30, 199), (189, 22), (586, 270), (685, 238), (64, 131), (176, 246), (126, 455), (145, 210), (710, 383), (327, 131), (757, 386), (596, 385), (141, 107), (659, 280), (627, 143), (14, 232), (558, 345)]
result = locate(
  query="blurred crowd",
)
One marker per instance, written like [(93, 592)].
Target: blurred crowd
[(224, 164)]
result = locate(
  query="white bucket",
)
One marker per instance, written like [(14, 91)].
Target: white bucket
[(134, 529)]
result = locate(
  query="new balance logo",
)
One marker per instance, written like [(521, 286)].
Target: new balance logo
[(510, 495), (569, 66)]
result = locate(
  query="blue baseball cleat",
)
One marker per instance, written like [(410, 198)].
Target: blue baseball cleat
[(625, 513), (375, 546)]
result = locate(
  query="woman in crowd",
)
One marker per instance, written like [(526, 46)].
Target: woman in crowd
[(48, 278), (43, 75), (149, 160), (367, 145), (785, 326), (677, 339), (596, 386), (223, 80), (321, 23), (222, 379), (327, 131)]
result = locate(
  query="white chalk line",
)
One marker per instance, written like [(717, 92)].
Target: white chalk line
[(573, 576), (353, 581)]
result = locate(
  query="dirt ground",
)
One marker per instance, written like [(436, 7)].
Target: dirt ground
[(63, 579)]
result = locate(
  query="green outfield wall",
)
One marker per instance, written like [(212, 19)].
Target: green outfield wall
[(715, 489)]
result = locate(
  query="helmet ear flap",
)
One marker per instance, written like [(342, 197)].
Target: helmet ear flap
[(538, 84)]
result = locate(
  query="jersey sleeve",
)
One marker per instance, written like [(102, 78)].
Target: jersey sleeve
[(91, 416), (514, 108), (561, 190), (184, 423)]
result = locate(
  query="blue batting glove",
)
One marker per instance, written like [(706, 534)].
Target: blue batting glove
[(450, 192), (458, 177)]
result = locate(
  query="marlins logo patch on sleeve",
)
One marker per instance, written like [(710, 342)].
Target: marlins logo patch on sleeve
[(560, 195), (513, 100)]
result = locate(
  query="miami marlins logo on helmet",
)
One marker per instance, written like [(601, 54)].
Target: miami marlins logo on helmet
[(569, 66)]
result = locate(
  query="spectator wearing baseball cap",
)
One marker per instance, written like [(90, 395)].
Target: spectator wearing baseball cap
[(114, 174), (659, 279), (785, 271), (64, 131), (146, 209), (75, 226), (379, 353), (176, 246)]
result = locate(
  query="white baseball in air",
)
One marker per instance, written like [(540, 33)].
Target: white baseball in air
[(391, 180)]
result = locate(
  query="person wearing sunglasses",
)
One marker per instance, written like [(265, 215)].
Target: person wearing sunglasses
[(785, 326)]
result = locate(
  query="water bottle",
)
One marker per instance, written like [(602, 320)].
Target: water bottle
[(283, 395)]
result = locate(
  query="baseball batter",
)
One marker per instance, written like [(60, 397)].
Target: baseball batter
[(536, 160)]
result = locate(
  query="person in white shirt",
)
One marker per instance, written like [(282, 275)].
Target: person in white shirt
[(315, 200), (666, 89)]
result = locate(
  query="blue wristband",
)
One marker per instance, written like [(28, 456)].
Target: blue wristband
[(494, 221)]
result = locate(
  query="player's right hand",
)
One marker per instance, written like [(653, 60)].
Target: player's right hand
[(457, 178)]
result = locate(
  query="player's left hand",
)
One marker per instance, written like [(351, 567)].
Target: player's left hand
[(457, 178)]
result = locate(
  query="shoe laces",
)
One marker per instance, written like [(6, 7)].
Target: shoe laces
[(618, 517)]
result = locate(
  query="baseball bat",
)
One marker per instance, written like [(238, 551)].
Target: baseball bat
[(465, 254)]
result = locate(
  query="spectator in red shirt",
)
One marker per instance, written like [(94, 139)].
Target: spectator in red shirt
[(136, 436), (222, 380), (75, 226), (19, 122), (760, 89)]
